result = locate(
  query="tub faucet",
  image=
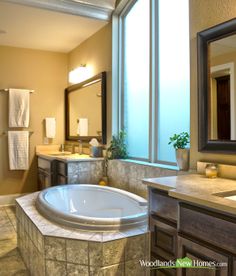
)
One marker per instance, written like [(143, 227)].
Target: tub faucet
[(80, 146)]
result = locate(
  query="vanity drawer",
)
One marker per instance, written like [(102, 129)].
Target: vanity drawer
[(199, 253), (61, 180), (163, 239), (162, 205), (46, 165), (214, 228), (62, 168)]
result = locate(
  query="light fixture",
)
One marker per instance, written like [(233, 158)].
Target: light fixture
[(79, 74)]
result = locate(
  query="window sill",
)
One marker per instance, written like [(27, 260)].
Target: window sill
[(156, 165)]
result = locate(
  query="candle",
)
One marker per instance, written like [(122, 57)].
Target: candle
[(211, 170)]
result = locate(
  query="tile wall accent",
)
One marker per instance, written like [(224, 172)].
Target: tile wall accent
[(128, 175), (49, 249), (86, 172)]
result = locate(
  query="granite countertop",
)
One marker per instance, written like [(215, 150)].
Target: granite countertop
[(197, 189), (67, 156)]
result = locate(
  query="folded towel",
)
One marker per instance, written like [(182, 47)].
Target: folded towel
[(18, 107), (18, 150), (83, 127), (50, 127)]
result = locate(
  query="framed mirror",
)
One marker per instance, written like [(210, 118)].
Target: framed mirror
[(217, 88), (85, 110)]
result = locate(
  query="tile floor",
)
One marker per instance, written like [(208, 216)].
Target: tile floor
[(10, 260)]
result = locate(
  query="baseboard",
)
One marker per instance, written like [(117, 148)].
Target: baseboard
[(6, 200)]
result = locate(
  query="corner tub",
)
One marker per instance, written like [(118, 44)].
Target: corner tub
[(92, 207)]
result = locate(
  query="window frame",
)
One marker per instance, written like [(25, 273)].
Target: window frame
[(122, 70), (119, 14)]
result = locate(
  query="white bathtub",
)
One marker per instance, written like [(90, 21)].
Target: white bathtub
[(92, 207)]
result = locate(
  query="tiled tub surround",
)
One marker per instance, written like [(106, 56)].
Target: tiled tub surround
[(85, 172), (127, 175), (50, 249)]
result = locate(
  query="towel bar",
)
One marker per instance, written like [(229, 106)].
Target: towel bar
[(5, 132), (6, 90)]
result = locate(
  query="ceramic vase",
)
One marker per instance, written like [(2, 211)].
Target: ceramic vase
[(182, 158)]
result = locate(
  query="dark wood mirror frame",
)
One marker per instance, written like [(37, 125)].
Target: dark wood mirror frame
[(74, 87), (203, 39)]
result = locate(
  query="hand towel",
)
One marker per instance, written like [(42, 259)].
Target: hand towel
[(18, 150), (83, 127), (50, 127), (18, 107)]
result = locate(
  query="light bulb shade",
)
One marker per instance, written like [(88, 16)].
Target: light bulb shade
[(78, 75)]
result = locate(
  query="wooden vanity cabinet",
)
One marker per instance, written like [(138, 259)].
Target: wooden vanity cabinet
[(58, 172), (201, 252), (181, 230), (163, 228), (204, 234), (234, 266), (62, 173), (208, 226), (46, 173), (51, 173)]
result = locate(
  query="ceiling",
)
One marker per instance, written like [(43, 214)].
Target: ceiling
[(28, 26), (223, 46)]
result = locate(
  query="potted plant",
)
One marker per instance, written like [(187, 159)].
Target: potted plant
[(180, 142), (118, 147)]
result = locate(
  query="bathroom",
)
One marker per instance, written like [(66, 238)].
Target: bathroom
[(29, 63)]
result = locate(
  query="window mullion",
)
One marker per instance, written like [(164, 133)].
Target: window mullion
[(152, 88), (153, 81)]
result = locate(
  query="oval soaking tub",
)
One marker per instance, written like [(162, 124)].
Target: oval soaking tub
[(92, 207)]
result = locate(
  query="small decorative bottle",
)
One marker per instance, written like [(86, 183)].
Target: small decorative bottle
[(211, 170)]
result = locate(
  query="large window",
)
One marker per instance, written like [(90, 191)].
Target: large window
[(173, 78), (136, 79), (153, 75)]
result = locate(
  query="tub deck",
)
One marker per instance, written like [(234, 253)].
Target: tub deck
[(48, 248)]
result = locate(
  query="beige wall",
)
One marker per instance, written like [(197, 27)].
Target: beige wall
[(46, 73), (96, 53), (205, 14)]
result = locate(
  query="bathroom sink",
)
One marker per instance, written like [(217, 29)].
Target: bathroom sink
[(70, 155), (78, 156), (65, 153), (228, 195)]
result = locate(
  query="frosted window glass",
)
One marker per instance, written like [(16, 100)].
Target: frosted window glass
[(136, 79), (173, 98)]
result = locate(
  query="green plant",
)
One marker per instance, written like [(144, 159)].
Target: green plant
[(180, 141), (118, 147)]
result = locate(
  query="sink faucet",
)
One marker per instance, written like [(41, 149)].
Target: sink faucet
[(80, 146), (62, 148)]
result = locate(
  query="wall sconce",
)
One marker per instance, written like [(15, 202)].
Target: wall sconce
[(79, 74)]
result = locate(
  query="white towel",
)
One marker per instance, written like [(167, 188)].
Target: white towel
[(83, 127), (18, 150), (18, 107), (50, 127)]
